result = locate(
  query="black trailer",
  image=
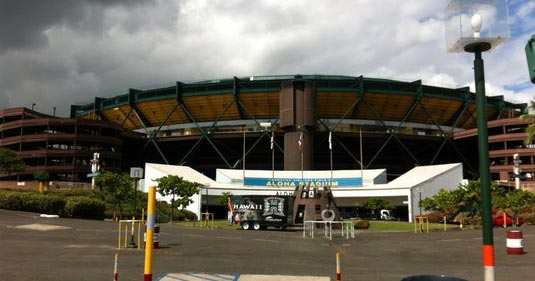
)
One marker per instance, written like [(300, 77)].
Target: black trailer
[(262, 211)]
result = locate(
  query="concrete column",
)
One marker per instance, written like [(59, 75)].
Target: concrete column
[(298, 119)]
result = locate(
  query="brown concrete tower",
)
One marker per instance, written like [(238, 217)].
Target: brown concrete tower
[(297, 119)]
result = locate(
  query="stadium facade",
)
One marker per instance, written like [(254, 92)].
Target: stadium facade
[(369, 123)]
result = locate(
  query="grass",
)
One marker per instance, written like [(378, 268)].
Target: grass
[(223, 224), (385, 226), (399, 226)]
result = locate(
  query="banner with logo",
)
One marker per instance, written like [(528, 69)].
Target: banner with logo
[(309, 182)]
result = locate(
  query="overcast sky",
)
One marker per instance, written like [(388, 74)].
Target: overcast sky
[(60, 52)]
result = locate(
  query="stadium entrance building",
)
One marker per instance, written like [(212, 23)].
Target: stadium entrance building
[(351, 188)]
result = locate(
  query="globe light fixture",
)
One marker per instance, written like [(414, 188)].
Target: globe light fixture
[(477, 23), (484, 22)]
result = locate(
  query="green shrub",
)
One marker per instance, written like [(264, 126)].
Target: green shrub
[(178, 215), (188, 215), (475, 221), (97, 194), (83, 207), (530, 218), (31, 202), (11, 200), (362, 224)]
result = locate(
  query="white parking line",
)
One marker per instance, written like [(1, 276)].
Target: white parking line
[(194, 235), (229, 237), (265, 240)]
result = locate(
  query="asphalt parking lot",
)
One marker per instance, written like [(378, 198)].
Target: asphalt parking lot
[(34, 248)]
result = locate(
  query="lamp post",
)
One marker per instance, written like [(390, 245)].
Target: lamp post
[(488, 20), (95, 168), (516, 170), (420, 190)]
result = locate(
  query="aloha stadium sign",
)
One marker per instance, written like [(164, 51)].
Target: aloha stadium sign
[(309, 182)]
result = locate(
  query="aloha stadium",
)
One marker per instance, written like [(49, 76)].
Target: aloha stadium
[(364, 137)]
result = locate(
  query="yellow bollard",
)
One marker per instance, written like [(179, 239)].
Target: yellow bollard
[(149, 245), (115, 269), (119, 237), (338, 273)]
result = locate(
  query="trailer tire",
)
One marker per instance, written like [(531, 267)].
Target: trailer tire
[(328, 215), (245, 225), (256, 226)]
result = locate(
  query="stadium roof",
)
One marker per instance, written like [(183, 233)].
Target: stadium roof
[(257, 97)]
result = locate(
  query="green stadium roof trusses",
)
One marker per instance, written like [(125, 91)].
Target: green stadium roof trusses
[(390, 105)]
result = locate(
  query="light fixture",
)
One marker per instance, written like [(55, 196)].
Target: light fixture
[(477, 23)]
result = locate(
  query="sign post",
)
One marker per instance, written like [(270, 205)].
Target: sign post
[(136, 173)]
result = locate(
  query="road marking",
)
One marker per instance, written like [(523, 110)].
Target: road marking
[(194, 235), (265, 240), (77, 246), (229, 237), (197, 277), (450, 240), (42, 227), (89, 230)]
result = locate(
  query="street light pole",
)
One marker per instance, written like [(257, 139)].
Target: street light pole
[(516, 163), (489, 23), (420, 200), (484, 169)]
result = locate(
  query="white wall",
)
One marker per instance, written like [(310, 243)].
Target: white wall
[(151, 174), (449, 180)]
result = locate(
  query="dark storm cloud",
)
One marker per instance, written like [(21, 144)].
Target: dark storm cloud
[(24, 22), (56, 53)]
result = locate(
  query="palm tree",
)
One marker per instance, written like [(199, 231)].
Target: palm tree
[(530, 129)]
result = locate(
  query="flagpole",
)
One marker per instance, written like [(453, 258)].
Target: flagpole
[(243, 159), (331, 153), (301, 145), (361, 159), (272, 153)]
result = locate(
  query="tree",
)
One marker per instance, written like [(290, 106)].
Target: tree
[(117, 186), (42, 177), (469, 195), (530, 129), (516, 200), (376, 204), (519, 199), (10, 162), (177, 187), (223, 199), (446, 202)]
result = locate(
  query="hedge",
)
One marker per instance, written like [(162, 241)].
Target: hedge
[(83, 207), (80, 204), (31, 202)]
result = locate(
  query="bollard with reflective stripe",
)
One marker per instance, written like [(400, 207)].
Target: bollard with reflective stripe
[(515, 242), (149, 244), (115, 270), (338, 274)]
